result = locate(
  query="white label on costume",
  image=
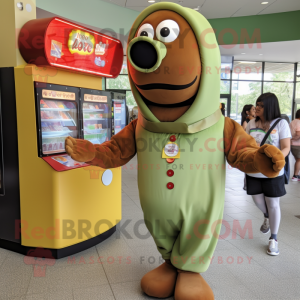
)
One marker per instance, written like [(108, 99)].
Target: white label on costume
[(171, 149)]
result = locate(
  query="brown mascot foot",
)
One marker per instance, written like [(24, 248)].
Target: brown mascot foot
[(192, 286), (160, 282)]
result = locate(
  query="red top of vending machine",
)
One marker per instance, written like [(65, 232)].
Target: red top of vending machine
[(60, 43)]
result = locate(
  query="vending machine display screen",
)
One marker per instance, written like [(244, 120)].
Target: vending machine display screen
[(57, 116), (96, 111)]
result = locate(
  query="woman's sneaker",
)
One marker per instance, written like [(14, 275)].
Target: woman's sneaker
[(265, 227), (296, 178), (273, 247)]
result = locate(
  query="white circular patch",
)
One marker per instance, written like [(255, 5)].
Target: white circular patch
[(28, 7), (107, 177), (171, 150)]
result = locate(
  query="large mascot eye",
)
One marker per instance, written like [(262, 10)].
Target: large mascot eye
[(146, 30), (167, 31)]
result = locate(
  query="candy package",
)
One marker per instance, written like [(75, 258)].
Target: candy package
[(69, 105), (51, 104), (64, 115), (60, 104), (45, 127), (43, 104)]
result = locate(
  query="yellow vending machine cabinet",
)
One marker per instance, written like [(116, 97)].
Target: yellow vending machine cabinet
[(59, 204)]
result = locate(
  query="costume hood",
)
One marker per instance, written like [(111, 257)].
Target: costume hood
[(206, 104)]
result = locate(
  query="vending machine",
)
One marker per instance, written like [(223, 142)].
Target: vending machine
[(50, 90), (119, 120)]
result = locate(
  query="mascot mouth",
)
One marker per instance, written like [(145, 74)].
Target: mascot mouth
[(164, 86), (172, 105)]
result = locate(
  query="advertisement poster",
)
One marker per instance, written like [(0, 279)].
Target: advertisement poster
[(77, 48)]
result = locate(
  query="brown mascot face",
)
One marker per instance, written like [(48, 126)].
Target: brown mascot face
[(171, 89)]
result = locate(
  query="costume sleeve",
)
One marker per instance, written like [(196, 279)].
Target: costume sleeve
[(118, 151), (242, 152), (240, 148)]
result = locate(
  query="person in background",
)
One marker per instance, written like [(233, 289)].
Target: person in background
[(266, 192), (248, 113), (295, 144), (222, 107)]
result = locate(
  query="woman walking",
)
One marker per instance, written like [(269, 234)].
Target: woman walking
[(248, 113), (295, 145), (266, 192)]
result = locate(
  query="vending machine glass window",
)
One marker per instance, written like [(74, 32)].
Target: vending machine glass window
[(119, 111), (96, 112), (57, 116)]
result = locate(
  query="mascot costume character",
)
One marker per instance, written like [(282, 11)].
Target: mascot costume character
[(174, 71)]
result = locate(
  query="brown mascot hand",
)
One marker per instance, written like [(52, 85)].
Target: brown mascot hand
[(269, 160), (80, 150)]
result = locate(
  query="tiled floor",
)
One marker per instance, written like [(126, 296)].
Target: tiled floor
[(241, 269)]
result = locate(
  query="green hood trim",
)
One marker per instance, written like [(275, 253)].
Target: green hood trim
[(208, 98), (176, 127)]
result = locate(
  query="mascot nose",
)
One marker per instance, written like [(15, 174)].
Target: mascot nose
[(145, 54)]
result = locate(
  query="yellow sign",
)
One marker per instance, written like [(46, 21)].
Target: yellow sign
[(50, 94), (81, 42), (95, 98)]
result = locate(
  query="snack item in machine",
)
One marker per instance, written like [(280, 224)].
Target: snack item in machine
[(61, 144), (49, 147), (45, 127), (69, 105), (85, 106), (43, 104), (56, 126), (51, 104), (44, 115), (60, 104), (54, 144), (64, 115), (48, 115)]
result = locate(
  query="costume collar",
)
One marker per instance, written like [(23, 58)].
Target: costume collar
[(176, 127)]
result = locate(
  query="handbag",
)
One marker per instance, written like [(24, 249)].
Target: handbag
[(287, 160)]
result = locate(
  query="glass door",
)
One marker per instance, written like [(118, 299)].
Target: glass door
[(96, 115), (57, 116)]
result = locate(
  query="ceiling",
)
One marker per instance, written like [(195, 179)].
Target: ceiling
[(288, 51), (213, 9)]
